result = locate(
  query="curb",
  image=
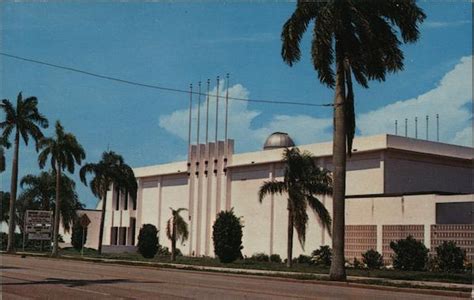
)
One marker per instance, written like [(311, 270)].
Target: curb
[(318, 278)]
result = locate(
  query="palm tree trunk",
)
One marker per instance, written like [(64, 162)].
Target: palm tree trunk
[(57, 211), (289, 260), (14, 183), (102, 223), (338, 271), (173, 241)]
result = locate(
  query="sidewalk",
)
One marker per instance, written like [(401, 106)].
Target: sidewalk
[(431, 287)]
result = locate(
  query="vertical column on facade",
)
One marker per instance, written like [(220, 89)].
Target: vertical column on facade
[(138, 220), (427, 235), (191, 179), (229, 151), (272, 209), (382, 166), (322, 164), (160, 200), (218, 174), (379, 238), (205, 161), (109, 216), (200, 176)]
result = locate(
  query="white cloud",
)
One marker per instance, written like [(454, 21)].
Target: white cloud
[(240, 122), (450, 99), (442, 24)]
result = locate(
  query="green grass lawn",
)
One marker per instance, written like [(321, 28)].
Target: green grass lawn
[(465, 278)]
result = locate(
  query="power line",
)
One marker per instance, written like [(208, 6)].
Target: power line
[(163, 88)]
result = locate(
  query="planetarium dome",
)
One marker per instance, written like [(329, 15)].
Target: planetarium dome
[(278, 140)]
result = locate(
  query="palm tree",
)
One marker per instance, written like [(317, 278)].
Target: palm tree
[(110, 170), (3, 144), (5, 198), (302, 181), (176, 229), (64, 152), (39, 192), (361, 38), (27, 122)]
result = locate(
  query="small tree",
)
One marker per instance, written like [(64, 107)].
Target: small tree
[(450, 258), (322, 256), (176, 229), (148, 241), (275, 258), (372, 259), (227, 236), (410, 254), (79, 235)]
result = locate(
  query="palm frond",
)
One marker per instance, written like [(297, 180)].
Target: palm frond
[(271, 187)]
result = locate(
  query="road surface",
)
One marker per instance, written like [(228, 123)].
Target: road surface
[(43, 278)]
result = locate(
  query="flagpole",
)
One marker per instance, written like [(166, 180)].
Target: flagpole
[(226, 106), (199, 112)]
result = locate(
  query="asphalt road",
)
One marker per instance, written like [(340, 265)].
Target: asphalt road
[(43, 278)]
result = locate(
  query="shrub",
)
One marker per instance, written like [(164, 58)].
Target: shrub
[(304, 259), (148, 241), (259, 257), (410, 254), (275, 258), (357, 264), (449, 257), (17, 241), (163, 251), (77, 236), (372, 259), (227, 236), (322, 256)]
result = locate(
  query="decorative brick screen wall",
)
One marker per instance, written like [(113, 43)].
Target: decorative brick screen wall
[(398, 232), (359, 239), (461, 234)]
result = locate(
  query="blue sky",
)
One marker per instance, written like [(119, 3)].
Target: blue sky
[(175, 44)]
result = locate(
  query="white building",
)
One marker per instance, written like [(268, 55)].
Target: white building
[(396, 186)]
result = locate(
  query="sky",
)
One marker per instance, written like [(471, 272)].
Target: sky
[(176, 44)]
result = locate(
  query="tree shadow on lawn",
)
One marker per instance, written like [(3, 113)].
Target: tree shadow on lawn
[(75, 282)]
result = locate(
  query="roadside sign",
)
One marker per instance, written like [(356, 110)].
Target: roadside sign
[(84, 220), (38, 224), (39, 236)]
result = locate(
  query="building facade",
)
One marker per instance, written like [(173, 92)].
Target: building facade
[(396, 186)]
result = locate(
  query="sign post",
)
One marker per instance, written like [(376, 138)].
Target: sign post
[(84, 221), (38, 225)]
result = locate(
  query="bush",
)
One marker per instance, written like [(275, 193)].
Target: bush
[(259, 257), (275, 258), (372, 259), (77, 236), (227, 236), (17, 241), (449, 257), (304, 259), (357, 264), (410, 254), (322, 256), (148, 241)]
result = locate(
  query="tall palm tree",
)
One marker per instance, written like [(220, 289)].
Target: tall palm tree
[(176, 229), (111, 170), (361, 38), (302, 181), (26, 121), (39, 192), (64, 152)]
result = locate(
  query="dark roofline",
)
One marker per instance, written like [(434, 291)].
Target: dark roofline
[(441, 193)]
